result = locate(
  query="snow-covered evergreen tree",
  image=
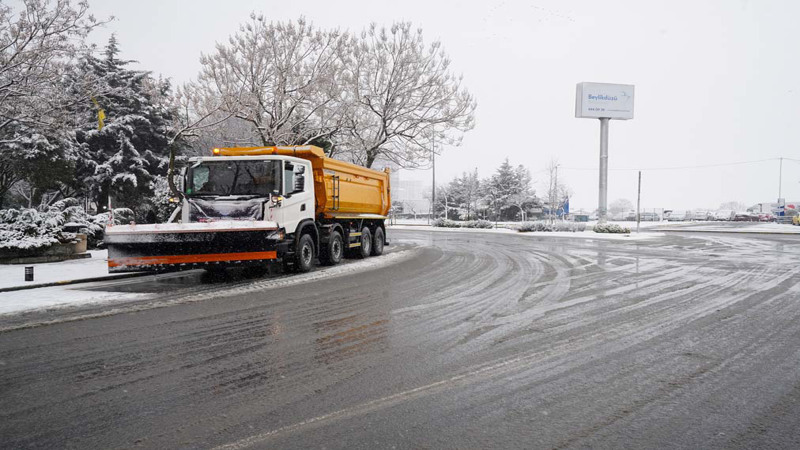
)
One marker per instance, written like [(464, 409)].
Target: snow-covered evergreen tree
[(509, 190), (122, 158), (34, 154)]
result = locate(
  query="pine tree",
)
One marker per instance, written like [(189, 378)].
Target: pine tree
[(509, 190), (121, 159)]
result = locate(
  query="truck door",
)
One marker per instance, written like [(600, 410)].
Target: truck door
[(298, 194)]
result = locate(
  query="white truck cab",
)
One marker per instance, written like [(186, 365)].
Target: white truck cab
[(275, 188)]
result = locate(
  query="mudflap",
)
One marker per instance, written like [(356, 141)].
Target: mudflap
[(170, 252)]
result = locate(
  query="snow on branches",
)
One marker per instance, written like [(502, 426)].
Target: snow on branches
[(381, 94), (37, 43)]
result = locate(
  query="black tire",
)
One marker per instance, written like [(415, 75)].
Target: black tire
[(304, 254), (377, 242), (366, 244), (333, 252)]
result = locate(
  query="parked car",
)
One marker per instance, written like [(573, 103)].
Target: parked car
[(796, 220), (745, 216), (724, 214), (766, 217), (649, 217), (678, 215), (700, 214)]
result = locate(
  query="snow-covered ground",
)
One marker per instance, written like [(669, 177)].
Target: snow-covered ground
[(96, 266), (631, 225), (729, 227), (732, 227), (83, 294), (588, 234), (58, 297)]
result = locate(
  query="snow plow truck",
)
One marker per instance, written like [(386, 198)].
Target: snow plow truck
[(252, 206)]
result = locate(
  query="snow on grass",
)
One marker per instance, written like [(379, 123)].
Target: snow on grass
[(96, 266)]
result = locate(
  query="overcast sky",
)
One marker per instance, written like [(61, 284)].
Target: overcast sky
[(716, 82)]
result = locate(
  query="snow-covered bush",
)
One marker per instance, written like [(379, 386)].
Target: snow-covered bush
[(477, 224), (32, 230), (611, 228), (542, 225), (446, 223)]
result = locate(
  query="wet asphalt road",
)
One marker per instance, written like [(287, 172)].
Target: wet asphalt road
[(475, 341)]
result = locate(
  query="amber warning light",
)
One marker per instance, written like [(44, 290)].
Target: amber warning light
[(216, 151)]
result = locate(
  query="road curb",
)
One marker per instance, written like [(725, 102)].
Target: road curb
[(78, 281)]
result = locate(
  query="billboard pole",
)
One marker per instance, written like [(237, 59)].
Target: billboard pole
[(605, 102), (603, 197)]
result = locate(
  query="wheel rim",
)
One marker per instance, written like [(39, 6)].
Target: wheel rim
[(336, 249), (307, 254), (365, 241)]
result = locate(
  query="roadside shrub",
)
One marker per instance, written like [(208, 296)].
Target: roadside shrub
[(28, 229), (446, 223), (611, 228), (542, 225), (477, 224), (32, 230)]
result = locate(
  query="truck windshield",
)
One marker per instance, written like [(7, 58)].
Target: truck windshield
[(261, 178)]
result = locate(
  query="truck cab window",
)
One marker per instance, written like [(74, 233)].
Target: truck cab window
[(199, 177), (288, 178)]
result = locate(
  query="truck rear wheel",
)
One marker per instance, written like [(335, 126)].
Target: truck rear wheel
[(366, 244), (332, 253), (377, 242), (304, 255)]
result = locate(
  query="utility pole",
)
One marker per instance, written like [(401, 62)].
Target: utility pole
[(433, 171), (780, 179), (639, 203)]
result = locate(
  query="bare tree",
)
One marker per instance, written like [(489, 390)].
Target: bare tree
[(620, 205), (284, 79), (557, 190), (37, 43), (402, 90), (735, 206)]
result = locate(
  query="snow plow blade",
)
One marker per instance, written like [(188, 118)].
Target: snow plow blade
[(173, 247)]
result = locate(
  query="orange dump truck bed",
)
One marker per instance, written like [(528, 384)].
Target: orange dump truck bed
[(341, 189)]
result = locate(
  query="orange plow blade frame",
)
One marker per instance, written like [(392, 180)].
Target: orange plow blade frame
[(190, 259)]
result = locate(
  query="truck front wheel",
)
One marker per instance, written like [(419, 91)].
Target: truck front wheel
[(304, 257)]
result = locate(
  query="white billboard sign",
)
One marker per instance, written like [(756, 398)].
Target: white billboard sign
[(602, 100)]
